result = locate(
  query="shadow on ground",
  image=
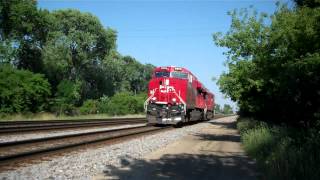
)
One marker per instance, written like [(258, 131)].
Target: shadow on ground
[(185, 166), (218, 137), (217, 165), (228, 125)]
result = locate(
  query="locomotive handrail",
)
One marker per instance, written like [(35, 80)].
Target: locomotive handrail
[(147, 101), (182, 101)]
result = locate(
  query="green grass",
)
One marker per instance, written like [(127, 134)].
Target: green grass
[(51, 116), (282, 152)]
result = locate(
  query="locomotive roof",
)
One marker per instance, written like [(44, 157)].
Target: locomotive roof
[(181, 69), (173, 68)]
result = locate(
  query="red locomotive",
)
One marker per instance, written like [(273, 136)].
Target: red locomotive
[(176, 96)]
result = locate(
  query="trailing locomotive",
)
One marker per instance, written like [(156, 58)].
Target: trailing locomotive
[(176, 96)]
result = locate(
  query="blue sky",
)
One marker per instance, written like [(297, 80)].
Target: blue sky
[(163, 32)]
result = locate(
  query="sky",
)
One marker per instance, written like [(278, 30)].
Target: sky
[(169, 32)]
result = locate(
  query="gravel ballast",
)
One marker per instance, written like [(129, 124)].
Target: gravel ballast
[(88, 163)]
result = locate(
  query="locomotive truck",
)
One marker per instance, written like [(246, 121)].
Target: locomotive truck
[(176, 96)]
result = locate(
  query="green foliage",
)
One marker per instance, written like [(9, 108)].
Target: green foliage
[(308, 3), (283, 153), (7, 52), (76, 48), (227, 109), (24, 28), (217, 109), (128, 74), (82, 38), (67, 97), (89, 107), (80, 48), (126, 103), (75, 53), (22, 91), (245, 124), (274, 63), (103, 105), (120, 104), (258, 141)]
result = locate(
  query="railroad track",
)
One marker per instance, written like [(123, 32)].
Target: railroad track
[(12, 151), (32, 126), (16, 152)]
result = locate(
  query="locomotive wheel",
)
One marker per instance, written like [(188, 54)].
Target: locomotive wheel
[(205, 117), (178, 125), (188, 117)]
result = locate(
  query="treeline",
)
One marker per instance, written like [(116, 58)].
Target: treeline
[(65, 62), (226, 109), (274, 63)]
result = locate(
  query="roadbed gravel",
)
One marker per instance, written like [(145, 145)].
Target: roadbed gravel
[(86, 164)]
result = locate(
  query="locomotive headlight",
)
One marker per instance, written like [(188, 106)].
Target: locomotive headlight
[(174, 100), (154, 98), (181, 107)]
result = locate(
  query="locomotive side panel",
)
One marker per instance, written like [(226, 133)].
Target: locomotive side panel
[(191, 96)]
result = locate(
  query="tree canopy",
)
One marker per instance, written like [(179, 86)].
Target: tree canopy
[(274, 63)]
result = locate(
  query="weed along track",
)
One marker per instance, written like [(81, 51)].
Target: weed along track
[(37, 126), (13, 152)]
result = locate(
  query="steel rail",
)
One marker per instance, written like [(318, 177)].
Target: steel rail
[(97, 136), (23, 122), (66, 125)]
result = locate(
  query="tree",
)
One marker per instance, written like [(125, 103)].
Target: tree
[(227, 109), (76, 49), (217, 109), (23, 28), (128, 74), (308, 3), (135, 74), (83, 37), (274, 64)]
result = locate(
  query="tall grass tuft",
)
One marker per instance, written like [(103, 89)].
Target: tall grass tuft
[(282, 152)]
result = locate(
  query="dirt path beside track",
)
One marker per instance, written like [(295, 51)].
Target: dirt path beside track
[(212, 153)]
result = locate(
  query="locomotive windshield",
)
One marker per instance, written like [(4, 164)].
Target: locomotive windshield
[(162, 74), (180, 75)]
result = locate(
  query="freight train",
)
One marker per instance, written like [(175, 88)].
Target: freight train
[(176, 96)]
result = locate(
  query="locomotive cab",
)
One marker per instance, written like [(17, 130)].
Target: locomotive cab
[(165, 104)]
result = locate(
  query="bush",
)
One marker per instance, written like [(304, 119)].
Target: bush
[(22, 90), (103, 104), (89, 107), (126, 103), (67, 97), (282, 152), (120, 104), (245, 124), (141, 98), (258, 141)]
